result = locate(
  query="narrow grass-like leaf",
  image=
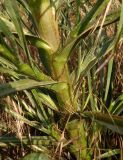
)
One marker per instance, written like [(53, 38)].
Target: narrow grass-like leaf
[(37, 156), (13, 87), (115, 123), (46, 99), (120, 26), (42, 115), (35, 140), (109, 74), (7, 53), (7, 63), (34, 73), (9, 72), (109, 154), (95, 11), (7, 32), (116, 106), (62, 56), (91, 91), (28, 109), (34, 124), (36, 41), (12, 9)]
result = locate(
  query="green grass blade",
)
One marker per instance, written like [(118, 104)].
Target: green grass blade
[(37, 156), (13, 87), (61, 57), (10, 72), (95, 11), (34, 140), (34, 124), (108, 83), (91, 91), (116, 106), (42, 115), (34, 73), (7, 32), (7, 53), (12, 9), (47, 100), (109, 154), (115, 123), (120, 26), (7, 63)]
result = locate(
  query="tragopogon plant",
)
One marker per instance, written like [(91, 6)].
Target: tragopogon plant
[(49, 63)]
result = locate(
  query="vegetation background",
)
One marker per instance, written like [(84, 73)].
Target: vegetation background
[(61, 79)]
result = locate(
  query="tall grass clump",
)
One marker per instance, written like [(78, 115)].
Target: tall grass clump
[(59, 66)]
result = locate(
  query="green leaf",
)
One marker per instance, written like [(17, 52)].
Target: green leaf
[(116, 106), (12, 9), (12, 87), (37, 156), (34, 140), (109, 74), (8, 72), (76, 131), (120, 26), (115, 123), (5, 62), (95, 12), (47, 100), (61, 58), (109, 153), (41, 113), (7, 53), (34, 124), (5, 28)]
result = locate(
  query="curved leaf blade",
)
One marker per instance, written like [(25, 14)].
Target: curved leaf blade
[(115, 123), (12, 87), (36, 156)]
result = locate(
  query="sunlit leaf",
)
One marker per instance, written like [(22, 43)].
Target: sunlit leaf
[(13, 87), (115, 123), (36, 156)]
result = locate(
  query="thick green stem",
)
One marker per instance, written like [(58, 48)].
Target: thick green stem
[(44, 15)]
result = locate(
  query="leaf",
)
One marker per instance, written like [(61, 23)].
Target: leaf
[(7, 63), (47, 100), (37, 156), (12, 9), (5, 28), (34, 124), (41, 113), (61, 57), (95, 11), (7, 53), (76, 131), (116, 106), (8, 72), (115, 123), (109, 75), (9, 30), (109, 153), (34, 140), (120, 26), (12, 87)]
